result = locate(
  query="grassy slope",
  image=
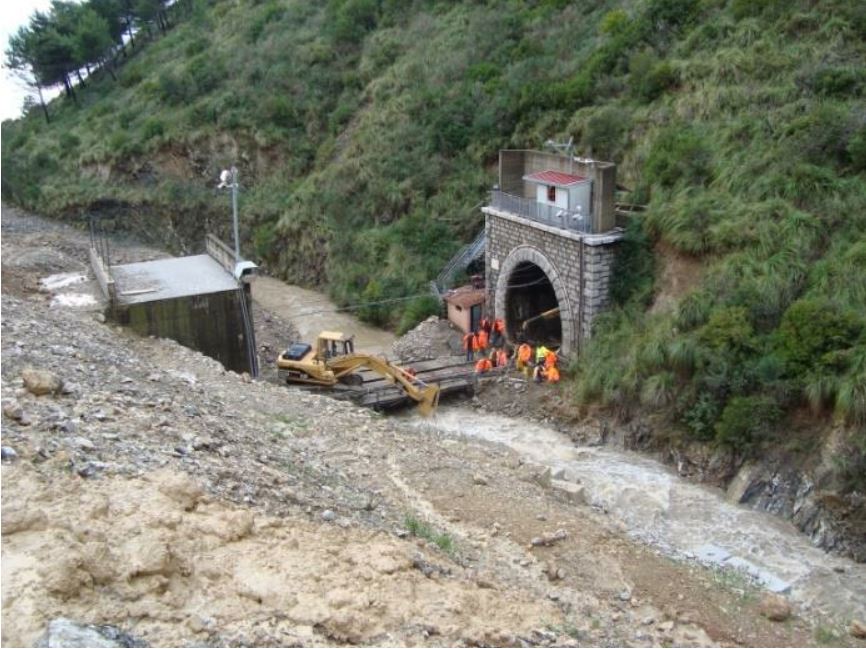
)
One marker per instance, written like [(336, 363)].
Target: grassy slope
[(367, 130)]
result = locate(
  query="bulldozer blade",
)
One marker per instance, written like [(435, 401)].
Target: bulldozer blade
[(429, 400)]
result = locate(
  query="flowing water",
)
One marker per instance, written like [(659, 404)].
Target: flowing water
[(684, 520)]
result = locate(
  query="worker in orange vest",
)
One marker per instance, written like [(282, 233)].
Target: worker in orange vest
[(483, 365), (502, 358), (550, 359), (498, 332), (552, 374), (524, 354), (482, 341), (470, 343)]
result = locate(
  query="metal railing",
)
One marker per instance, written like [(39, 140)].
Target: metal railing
[(465, 256), (548, 214)]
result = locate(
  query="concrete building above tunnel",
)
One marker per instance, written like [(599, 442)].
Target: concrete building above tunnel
[(551, 238)]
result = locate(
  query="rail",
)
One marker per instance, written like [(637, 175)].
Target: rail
[(465, 256), (547, 214), (221, 253)]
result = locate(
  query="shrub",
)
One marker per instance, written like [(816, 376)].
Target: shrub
[(745, 421), (634, 267), (811, 328), (131, 76), (196, 46), (614, 22), (679, 155), (152, 127), (857, 150), (700, 418), (605, 132), (417, 310), (68, 141), (649, 77), (830, 81), (174, 88), (728, 329)]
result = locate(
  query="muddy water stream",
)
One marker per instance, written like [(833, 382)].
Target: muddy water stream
[(312, 312), (684, 520)]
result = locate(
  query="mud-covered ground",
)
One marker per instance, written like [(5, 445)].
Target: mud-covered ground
[(189, 506)]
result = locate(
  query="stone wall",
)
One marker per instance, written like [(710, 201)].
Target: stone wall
[(577, 265)]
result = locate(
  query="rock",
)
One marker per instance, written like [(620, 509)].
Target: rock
[(41, 382), (775, 608), (83, 443), (13, 410), (479, 479), (328, 515), (8, 454), (63, 632), (857, 629), (549, 539), (624, 596), (573, 493)]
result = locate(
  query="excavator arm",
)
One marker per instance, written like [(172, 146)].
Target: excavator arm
[(427, 396), (544, 315)]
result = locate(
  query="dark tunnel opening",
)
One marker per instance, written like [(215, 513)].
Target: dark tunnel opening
[(529, 295)]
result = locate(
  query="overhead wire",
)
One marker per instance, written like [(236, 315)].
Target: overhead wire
[(405, 298)]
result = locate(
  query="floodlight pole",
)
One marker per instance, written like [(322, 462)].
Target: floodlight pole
[(234, 172)]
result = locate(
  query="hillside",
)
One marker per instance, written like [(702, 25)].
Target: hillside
[(366, 133)]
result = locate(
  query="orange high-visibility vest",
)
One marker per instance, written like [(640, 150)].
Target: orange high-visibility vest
[(482, 340), (524, 353), (469, 342), (549, 359), (501, 358), (498, 325), (552, 374), (482, 366)]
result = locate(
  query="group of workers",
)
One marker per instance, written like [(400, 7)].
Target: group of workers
[(540, 363)]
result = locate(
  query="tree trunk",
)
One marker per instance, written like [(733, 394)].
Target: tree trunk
[(80, 80), (44, 107), (129, 31), (109, 65), (70, 91)]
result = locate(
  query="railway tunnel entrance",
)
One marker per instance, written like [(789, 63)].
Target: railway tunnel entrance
[(531, 306), (533, 299)]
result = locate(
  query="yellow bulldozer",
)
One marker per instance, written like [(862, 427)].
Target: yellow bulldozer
[(334, 360)]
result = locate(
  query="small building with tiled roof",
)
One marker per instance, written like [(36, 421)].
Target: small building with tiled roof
[(465, 305)]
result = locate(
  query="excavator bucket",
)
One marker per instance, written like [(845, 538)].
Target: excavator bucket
[(429, 400)]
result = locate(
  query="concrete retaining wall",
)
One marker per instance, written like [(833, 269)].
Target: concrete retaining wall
[(211, 323)]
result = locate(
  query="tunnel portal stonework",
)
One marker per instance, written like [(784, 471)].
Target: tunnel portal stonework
[(577, 265)]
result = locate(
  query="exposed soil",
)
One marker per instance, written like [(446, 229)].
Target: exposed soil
[(188, 506)]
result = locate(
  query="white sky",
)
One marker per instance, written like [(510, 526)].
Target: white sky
[(14, 14)]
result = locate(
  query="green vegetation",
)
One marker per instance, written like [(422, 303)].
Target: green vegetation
[(424, 531), (367, 131)]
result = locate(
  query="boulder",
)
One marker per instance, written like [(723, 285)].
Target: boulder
[(775, 608), (63, 632), (857, 629), (41, 382)]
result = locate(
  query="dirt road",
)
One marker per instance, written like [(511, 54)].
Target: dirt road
[(184, 505), (311, 312)]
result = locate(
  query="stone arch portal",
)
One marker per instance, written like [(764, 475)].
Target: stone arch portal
[(527, 284)]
